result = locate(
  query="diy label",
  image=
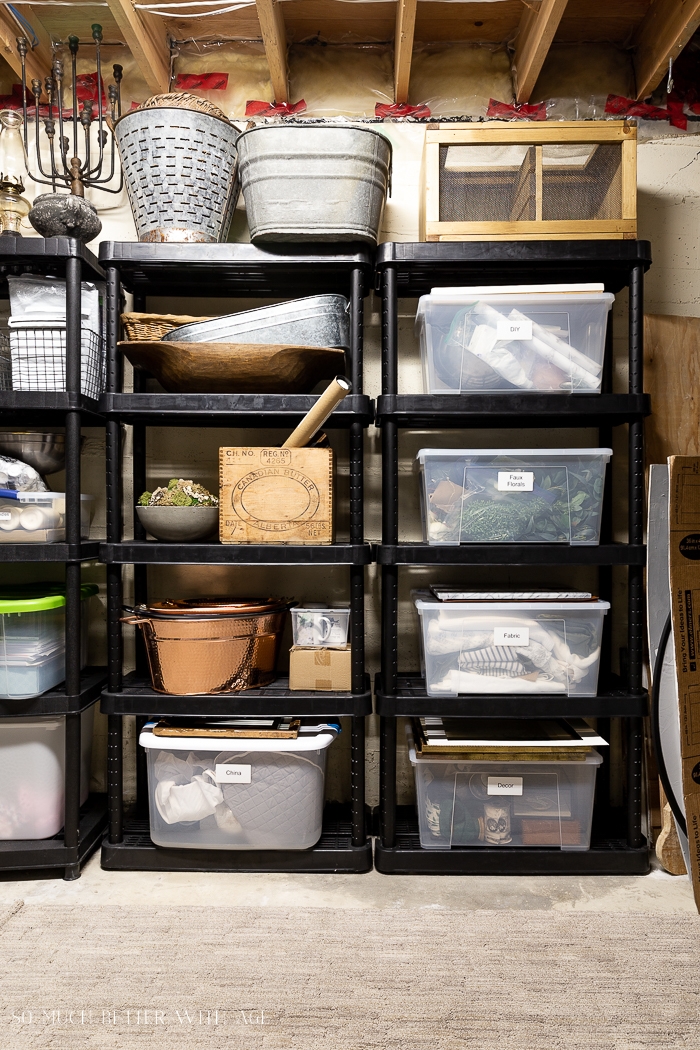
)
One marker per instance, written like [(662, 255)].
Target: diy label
[(229, 773), (511, 636), (507, 329), (516, 480), (504, 786)]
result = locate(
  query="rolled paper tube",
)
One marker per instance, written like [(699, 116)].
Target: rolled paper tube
[(317, 416), (9, 518), (587, 363), (31, 519), (562, 361)]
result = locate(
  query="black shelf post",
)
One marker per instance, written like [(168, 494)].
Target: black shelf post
[(410, 270), (237, 271)]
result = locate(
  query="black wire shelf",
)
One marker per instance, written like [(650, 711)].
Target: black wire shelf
[(138, 697), (44, 854), (412, 700), (334, 853), (514, 409), (57, 701), (133, 552), (609, 855), (231, 410), (87, 550), (510, 554), (47, 407)]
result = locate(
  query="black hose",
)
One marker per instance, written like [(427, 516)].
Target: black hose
[(656, 728)]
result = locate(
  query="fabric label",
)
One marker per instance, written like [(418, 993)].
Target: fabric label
[(504, 786), (516, 480), (507, 329), (511, 636), (230, 773)]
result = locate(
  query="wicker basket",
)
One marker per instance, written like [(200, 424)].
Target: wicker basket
[(140, 327)]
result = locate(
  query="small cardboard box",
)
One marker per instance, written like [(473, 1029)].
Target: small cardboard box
[(320, 669), (684, 549), (276, 495)]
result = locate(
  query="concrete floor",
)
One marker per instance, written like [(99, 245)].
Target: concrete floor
[(657, 893)]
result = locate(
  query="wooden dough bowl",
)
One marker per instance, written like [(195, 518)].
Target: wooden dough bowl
[(235, 368)]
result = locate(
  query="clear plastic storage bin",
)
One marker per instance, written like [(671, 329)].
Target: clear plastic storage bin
[(32, 774), (214, 793), (529, 337), (32, 638), (39, 517), (500, 803), (510, 646), (511, 495), (315, 626)]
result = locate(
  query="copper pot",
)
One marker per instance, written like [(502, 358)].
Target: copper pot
[(211, 645)]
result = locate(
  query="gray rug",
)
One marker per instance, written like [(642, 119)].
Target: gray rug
[(112, 978)]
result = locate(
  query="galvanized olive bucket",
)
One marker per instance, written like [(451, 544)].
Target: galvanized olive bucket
[(180, 169), (314, 182)]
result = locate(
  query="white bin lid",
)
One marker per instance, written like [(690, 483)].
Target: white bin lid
[(36, 497), (310, 738), (532, 453), (425, 600), (561, 295), (591, 759)]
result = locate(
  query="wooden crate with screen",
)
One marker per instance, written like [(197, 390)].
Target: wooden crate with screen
[(498, 181)]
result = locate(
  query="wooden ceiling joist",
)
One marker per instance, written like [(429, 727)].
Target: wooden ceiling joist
[(9, 31), (403, 47), (147, 39), (665, 30), (274, 37), (535, 36)]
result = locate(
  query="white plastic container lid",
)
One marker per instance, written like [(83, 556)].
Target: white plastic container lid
[(425, 600), (310, 738), (508, 290), (548, 453)]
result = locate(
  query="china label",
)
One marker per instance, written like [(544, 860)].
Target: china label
[(5, 515), (516, 480), (504, 786), (511, 636), (507, 329), (230, 773)]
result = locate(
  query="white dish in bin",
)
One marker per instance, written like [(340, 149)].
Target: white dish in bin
[(517, 338), (315, 626), (495, 803), (32, 774), (512, 495), (214, 793), (40, 517), (510, 647)]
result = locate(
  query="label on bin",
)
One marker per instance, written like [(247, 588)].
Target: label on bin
[(516, 480), (5, 515), (232, 773), (512, 329), (511, 636), (504, 786)]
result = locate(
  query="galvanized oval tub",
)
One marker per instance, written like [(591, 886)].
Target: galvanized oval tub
[(180, 169), (314, 182)]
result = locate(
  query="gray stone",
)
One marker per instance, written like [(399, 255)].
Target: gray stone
[(65, 215)]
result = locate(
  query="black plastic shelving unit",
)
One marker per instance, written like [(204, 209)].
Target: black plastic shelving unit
[(411, 270), (230, 270), (65, 258)]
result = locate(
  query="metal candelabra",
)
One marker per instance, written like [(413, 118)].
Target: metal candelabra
[(55, 214)]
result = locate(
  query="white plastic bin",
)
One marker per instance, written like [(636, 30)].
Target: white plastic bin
[(318, 626), (510, 647), (501, 803), (529, 337), (32, 774), (40, 517), (32, 638), (213, 793), (511, 495)]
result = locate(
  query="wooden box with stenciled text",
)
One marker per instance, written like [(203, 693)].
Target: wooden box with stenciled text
[(276, 495)]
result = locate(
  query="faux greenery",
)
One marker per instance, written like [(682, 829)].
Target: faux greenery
[(179, 493), (563, 507)]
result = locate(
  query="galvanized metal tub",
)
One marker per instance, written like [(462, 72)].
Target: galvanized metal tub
[(318, 320), (314, 183), (180, 169)]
